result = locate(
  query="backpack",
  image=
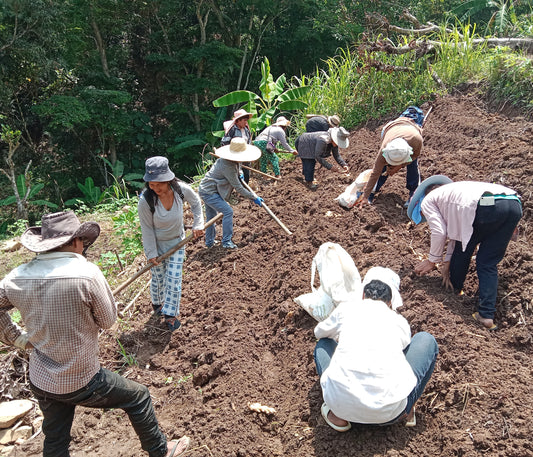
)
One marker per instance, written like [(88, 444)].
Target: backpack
[(414, 113), (151, 197)]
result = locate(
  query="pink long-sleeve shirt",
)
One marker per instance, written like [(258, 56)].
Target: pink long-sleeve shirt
[(450, 211)]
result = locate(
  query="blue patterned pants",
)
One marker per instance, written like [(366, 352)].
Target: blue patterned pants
[(165, 288)]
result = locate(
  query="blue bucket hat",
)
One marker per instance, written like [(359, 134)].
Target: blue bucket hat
[(413, 210), (414, 113), (157, 170)]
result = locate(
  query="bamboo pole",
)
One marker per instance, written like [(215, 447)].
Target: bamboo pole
[(171, 251), (253, 169)]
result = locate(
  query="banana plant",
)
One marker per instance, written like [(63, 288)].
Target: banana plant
[(26, 194), (273, 99)]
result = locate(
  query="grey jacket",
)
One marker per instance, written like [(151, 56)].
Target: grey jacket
[(222, 178), (318, 146)]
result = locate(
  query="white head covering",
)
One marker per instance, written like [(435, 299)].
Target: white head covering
[(390, 278), (239, 151), (397, 152)]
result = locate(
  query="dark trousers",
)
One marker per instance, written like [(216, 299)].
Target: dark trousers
[(412, 178), (308, 169), (105, 390), (493, 228)]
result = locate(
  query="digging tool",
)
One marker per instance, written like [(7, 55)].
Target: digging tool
[(267, 209), (253, 169), (426, 116), (163, 256)]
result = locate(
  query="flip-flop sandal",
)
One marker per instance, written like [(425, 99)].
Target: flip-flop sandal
[(325, 411), (180, 446), (476, 317), (412, 421)]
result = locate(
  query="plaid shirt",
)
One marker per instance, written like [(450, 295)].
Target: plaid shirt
[(64, 300)]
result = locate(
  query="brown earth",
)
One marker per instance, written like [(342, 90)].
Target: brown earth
[(244, 339)]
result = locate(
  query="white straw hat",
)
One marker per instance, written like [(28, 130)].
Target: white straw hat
[(239, 151)]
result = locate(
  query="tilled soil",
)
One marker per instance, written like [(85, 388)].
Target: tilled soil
[(244, 340)]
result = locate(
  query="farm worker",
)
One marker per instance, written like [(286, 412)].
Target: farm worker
[(316, 146), (273, 135), (238, 127), (371, 370), (400, 147), (467, 214), (218, 183), (160, 211), (321, 123), (64, 301)]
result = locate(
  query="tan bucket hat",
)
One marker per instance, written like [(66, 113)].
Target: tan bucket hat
[(282, 121), (58, 229), (236, 115), (340, 137)]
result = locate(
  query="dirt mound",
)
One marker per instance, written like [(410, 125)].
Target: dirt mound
[(244, 340)]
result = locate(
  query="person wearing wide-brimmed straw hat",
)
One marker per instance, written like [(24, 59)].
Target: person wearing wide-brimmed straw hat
[(314, 147), (467, 215), (64, 302), (371, 370), (160, 211), (401, 146), (238, 127), (268, 140), (218, 183)]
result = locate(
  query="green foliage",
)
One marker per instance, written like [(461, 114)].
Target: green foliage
[(27, 193), (273, 99), (127, 228), (128, 359), (510, 79), (92, 194)]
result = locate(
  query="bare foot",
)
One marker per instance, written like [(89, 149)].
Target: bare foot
[(337, 420)]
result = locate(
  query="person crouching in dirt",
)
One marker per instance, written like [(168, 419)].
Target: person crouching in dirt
[(400, 147), (467, 214), (218, 183), (267, 141), (160, 211), (314, 147), (371, 370), (64, 301)]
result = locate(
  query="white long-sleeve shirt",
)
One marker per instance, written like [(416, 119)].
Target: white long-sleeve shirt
[(450, 211), (163, 229), (369, 379)]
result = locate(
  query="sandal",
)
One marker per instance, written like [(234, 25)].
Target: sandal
[(179, 446), (157, 310), (411, 422), (325, 411), (172, 323)]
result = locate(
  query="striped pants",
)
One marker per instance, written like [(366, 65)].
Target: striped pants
[(165, 288)]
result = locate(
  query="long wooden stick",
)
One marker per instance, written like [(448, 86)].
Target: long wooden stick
[(426, 116), (171, 251), (253, 169), (267, 209)]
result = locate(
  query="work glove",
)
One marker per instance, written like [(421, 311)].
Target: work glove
[(241, 176), (259, 201)]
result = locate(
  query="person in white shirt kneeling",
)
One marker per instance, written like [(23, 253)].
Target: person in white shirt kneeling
[(371, 370)]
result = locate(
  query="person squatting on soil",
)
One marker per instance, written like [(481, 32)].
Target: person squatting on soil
[(160, 211), (273, 135), (400, 147), (64, 301), (371, 370), (467, 214), (218, 183), (238, 127), (316, 146)]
